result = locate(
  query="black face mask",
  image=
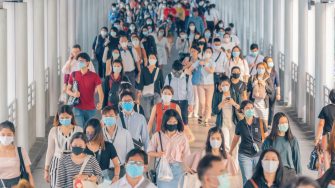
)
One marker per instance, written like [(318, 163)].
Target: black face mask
[(171, 127), (77, 150), (235, 75)]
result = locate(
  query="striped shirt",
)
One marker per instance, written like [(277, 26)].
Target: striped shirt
[(67, 169)]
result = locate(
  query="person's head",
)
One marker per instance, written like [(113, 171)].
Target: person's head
[(236, 72), (208, 53), (127, 102), (161, 32), (94, 132), (172, 121), (78, 143), (254, 50), (104, 32), (197, 36), (152, 59), (177, 68), (215, 140), (191, 26), (228, 30), (114, 32), (220, 24), (167, 94), (302, 182), (226, 38), (202, 43), (281, 124), (195, 12), (109, 115), (64, 116), (183, 35), (124, 41), (269, 163), (237, 52), (207, 33), (117, 24), (224, 84), (135, 40), (84, 60), (76, 49), (211, 171), (136, 163), (132, 27), (247, 107), (7, 133), (195, 51), (117, 66), (217, 44), (261, 69), (116, 54), (145, 31), (331, 96), (269, 62)]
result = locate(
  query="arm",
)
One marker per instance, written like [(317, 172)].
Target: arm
[(116, 164), (234, 143), (217, 107), (153, 147), (327, 160), (97, 173), (108, 67), (246, 70), (296, 156), (145, 57), (67, 67), (152, 119), (319, 131), (101, 97), (49, 155), (190, 91), (69, 91), (210, 69)]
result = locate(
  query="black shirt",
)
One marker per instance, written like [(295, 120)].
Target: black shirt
[(260, 183), (249, 134), (107, 154), (328, 114), (236, 91), (147, 78)]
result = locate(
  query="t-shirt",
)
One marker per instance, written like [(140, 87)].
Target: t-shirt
[(237, 91), (328, 114), (86, 86), (107, 154), (249, 134)]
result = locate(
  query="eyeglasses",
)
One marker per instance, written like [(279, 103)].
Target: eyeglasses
[(138, 163)]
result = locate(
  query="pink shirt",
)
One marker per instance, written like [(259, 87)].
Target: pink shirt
[(10, 167), (176, 148)]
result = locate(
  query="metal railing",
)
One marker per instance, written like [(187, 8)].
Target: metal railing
[(281, 66), (59, 66), (294, 83), (31, 95), (12, 112), (326, 92), (310, 99)]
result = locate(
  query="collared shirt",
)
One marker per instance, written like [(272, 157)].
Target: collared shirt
[(122, 141), (242, 63), (207, 78), (137, 126), (176, 148), (228, 46), (123, 183), (220, 60), (73, 65), (128, 60), (252, 61), (179, 87)]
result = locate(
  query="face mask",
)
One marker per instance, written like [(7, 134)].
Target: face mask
[(270, 166), (236, 54), (115, 55), (77, 150), (166, 98), (134, 170), (117, 27), (65, 121), (109, 121), (145, 33), (192, 27), (208, 55), (236, 75), (217, 47), (215, 143), (207, 35), (136, 42), (149, 22), (260, 71), (6, 140), (171, 127), (117, 69), (152, 61), (132, 28), (283, 127), (124, 44), (103, 33), (127, 106), (81, 65), (223, 181), (226, 40), (221, 25), (225, 88), (183, 36), (254, 54), (249, 113), (330, 186), (160, 34), (113, 34), (113, 8), (150, 30), (90, 137), (270, 64)]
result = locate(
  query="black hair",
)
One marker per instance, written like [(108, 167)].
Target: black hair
[(205, 164), (224, 78), (208, 48), (139, 152), (85, 56), (332, 96), (79, 135), (98, 134), (127, 93), (236, 67), (107, 109), (241, 54), (177, 65), (64, 109), (211, 131), (169, 114), (259, 172), (217, 40), (245, 103), (253, 46), (228, 29), (196, 48), (302, 181), (77, 46), (231, 24), (169, 88), (327, 177), (7, 125), (274, 132), (104, 28)]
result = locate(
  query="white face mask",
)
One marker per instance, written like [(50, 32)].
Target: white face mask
[(124, 44), (330, 186), (166, 98), (6, 140), (208, 55), (270, 166), (215, 143), (136, 42), (152, 61)]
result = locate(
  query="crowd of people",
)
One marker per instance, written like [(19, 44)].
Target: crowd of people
[(124, 121)]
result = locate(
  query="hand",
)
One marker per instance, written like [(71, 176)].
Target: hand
[(221, 105), (71, 57), (190, 108), (278, 97), (231, 101), (106, 42), (115, 179), (99, 106), (46, 176), (77, 94)]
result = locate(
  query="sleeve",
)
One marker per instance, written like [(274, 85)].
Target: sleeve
[(96, 169), (153, 144), (246, 68), (66, 68), (141, 83), (277, 80), (322, 114), (145, 133), (266, 144), (61, 173), (71, 79), (160, 80), (25, 157), (190, 91), (112, 150), (51, 147), (238, 128), (187, 150), (217, 99), (296, 156), (97, 80)]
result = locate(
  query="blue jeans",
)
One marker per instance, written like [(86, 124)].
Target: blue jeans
[(247, 166), (178, 175), (81, 116)]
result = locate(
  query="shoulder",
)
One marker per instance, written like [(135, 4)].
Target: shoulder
[(53, 130), (65, 157)]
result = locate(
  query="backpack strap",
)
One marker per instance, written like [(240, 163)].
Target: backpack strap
[(169, 78), (22, 165), (122, 120), (253, 183)]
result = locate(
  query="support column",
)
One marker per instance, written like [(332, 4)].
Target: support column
[(63, 35), (39, 65), (54, 86), (324, 52), (268, 22), (278, 36), (260, 24), (3, 62), (71, 23), (18, 14)]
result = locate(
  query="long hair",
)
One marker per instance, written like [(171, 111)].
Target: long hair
[(274, 132), (331, 144), (118, 61), (208, 148), (98, 134), (166, 117), (64, 109), (241, 54), (266, 74), (259, 172)]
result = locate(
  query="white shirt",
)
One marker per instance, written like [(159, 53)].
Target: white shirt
[(252, 64), (241, 63), (128, 61), (221, 60), (214, 15), (123, 183), (228, 46)]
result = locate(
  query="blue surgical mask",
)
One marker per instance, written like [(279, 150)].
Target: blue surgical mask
[(127, 106), (254, 54), (236, 54), (249, 113), (145, 33), (134, 170), (207, 34), (260, 71), (109, 121), (330, 186), (283, 127), (82, 65), (223, 181), (65, 122)]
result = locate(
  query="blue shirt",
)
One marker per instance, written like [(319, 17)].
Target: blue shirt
[(206, 77)]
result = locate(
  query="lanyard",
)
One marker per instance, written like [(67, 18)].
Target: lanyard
[(250, 132)]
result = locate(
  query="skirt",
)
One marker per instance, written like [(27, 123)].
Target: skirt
[(178, 172), (261, 111)]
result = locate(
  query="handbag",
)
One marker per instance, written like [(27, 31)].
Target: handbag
[(153, 172), (77, 183), (190, 180), (73, 101), (313, 159), (196, 76), (149, 90), (24, 174)]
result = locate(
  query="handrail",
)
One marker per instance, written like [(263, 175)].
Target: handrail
[(12, 112), (31, 94)]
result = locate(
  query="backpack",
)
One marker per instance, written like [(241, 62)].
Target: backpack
[(258, 90), (170, 78)]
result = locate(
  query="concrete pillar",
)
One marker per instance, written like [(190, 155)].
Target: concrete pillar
[(79, 36), (84, 30), (63, 34), (39, 65), (278, 35), (18, 16), (268, 22), (54, 86), (244, 42), (71, 23), (324, 52), (3, 62)]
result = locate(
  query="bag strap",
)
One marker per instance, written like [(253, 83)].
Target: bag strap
[(132, 55), (156, 74), (122, 120), (169, 78), (84, 164), (2, 183), (22, 165), (160, 140), (253, 183), (96, 43), (218, 57), (144, 183), (261, 128)]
